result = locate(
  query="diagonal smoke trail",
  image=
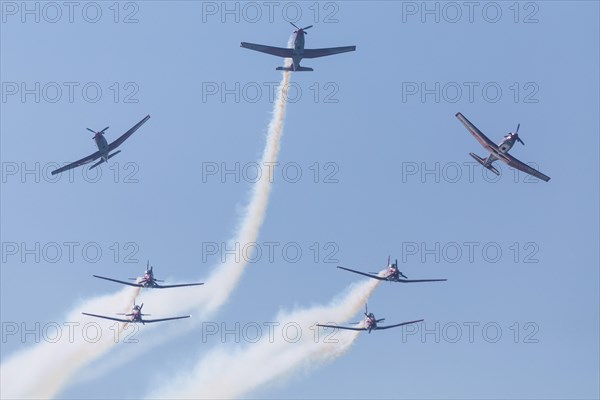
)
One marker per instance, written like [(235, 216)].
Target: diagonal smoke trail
[(40, 372), (55, 364), (231, 374)]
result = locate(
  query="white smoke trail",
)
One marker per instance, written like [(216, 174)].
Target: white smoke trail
[(205, 301), (223, 280), (231, 374), (55, 364), (40, 372)]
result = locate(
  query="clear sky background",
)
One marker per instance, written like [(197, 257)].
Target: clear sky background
[(372, 123)]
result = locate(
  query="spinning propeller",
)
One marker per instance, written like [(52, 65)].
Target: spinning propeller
[(517, 135), (300, 29), (97, 133), (371, 315)]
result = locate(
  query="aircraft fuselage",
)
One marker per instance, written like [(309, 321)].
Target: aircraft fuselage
[(102, 145), (370, 322), (149, 283), (298, 52), (507, 143), (503, 147), (393, 273), (136, 314)]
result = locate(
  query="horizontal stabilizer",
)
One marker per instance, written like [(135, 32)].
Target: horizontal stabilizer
[(113, 154), (493, 169), (98, 163), (291, 68), (484, 163), (477, 158)]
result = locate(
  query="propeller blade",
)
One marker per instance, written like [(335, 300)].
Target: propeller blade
[(380, 320), (141, 306), (518, 126), (102, 131), (310, 26), (90, 130), (294, 25), (519, 139)]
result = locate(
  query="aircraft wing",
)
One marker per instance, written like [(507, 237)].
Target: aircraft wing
[(420, 280), (179, 285), (364, 273), (84, 160), (342, 327), (118, 281), (513, 162), (481, 138), (397, 325), (111, 318), (149, 321), (126, 135), (314, 53), (276, 51)]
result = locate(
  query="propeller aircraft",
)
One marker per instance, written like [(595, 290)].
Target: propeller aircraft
[(135, 316), (147, 281), (500, 151), (370, 323), (104, 148), (391, 274), (298, 52)]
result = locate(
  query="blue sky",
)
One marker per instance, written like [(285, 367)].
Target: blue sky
[(372, 123)]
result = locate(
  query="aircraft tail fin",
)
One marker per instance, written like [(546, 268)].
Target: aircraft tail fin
[(484, 163), (291, 68)]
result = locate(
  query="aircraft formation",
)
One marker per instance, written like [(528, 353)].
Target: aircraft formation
[(296, 54), (390, 274), (147, 281)]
